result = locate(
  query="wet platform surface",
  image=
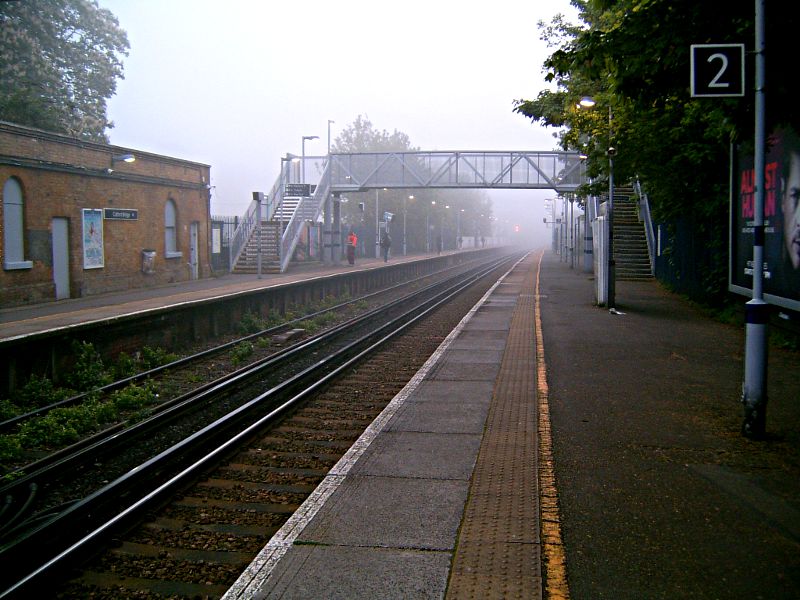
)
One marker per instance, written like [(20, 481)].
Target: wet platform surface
[(439, 495)]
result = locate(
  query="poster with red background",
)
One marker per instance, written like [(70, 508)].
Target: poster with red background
[(781, 222)]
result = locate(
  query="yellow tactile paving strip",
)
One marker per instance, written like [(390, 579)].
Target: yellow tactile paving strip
[(556, 586), (498, 552)]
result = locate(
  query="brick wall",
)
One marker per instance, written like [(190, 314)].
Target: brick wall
[(61, 176)]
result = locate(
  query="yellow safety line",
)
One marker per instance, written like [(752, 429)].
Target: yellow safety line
[(555, 563)]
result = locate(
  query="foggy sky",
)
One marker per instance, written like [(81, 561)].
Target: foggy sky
[(237, 84)]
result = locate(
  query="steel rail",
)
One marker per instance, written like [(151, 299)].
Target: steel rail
[(26, 480), (9, 424), (73, 518)]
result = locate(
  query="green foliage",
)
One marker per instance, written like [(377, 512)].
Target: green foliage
[(150, 358), (309, 325), (88, 371), (125, 366), (59, 64), (39, 391), (10, 448), (241, 352), (250, 323), (632, 57), (60, 426), (67, 425), (133, 398), (785, 339), (8, 410)]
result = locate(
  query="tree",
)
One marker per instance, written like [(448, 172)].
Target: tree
[(632, 56), (437, 209), (59, 64)]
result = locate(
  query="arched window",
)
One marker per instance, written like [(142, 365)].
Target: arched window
[(14, 227), (171, 230)]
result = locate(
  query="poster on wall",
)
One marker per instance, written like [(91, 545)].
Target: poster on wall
[(92, 238), (781, 222)]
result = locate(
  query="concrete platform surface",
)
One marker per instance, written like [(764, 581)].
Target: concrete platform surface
[(653, 492)]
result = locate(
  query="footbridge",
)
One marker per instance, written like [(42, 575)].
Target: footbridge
[(310, 189)]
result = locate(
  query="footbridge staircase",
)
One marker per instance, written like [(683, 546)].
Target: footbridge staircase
[(631, 248)]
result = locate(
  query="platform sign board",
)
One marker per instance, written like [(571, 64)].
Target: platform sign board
[(298, 189), (717, 70), (121, 214), (781, 222)]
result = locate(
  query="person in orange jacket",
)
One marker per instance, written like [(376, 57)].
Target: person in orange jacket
[(352, 241)]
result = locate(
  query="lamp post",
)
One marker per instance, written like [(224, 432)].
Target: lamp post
[(589, 102), (329, 134), (428, 227), (754, 387), (303, 162), (377, 225), (458, 229), (404, 223), (441, 223), (285, 178)]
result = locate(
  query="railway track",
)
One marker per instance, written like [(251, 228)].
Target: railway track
[(199, 543)]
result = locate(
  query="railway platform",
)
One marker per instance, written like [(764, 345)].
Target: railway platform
[(551, 449), (37, 318)]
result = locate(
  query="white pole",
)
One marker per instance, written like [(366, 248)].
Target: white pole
[(754, 390)]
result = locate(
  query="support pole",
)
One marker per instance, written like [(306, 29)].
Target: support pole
[(327, 238), (259, 197), (754, 390)]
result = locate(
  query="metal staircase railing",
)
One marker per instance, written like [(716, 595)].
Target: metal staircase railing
[(247, 225), (644, 212), (309, 208)]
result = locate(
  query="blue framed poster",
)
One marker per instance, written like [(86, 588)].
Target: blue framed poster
[(93, 250)]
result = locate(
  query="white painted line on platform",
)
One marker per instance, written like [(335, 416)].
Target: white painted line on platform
[(253, 577)]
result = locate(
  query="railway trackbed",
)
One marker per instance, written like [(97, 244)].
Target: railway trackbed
[(185, 520)]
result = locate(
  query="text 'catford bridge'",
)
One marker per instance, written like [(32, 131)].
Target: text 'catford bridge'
[(559, 171)]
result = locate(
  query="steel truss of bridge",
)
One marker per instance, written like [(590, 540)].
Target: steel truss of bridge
[(325, 178), (559, 171)]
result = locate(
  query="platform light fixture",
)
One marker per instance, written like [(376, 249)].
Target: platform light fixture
[(303, 163), (128, 158), (115, 158), (589, 102)]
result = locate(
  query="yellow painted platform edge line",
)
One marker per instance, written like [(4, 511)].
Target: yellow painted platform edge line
[(552, 546)]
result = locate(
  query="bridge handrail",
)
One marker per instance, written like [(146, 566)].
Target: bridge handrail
[(559, 170), (247, 224), (644, 211), (316, 203)]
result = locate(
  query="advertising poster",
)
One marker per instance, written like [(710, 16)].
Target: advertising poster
[(92, 238), (781, 222)]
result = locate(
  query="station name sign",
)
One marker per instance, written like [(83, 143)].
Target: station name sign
[(121, 214), (298, 189)]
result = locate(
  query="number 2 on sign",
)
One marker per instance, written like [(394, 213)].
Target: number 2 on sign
[(716, 83)]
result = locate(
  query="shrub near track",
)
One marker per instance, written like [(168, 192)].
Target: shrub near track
[(67, 425)]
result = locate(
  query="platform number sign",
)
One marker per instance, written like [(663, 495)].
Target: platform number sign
[(717, 70)]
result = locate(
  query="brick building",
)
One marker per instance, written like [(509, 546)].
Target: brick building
[(79, 218)]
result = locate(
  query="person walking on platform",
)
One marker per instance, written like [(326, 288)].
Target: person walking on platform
[(352, 241), (386, 244)]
